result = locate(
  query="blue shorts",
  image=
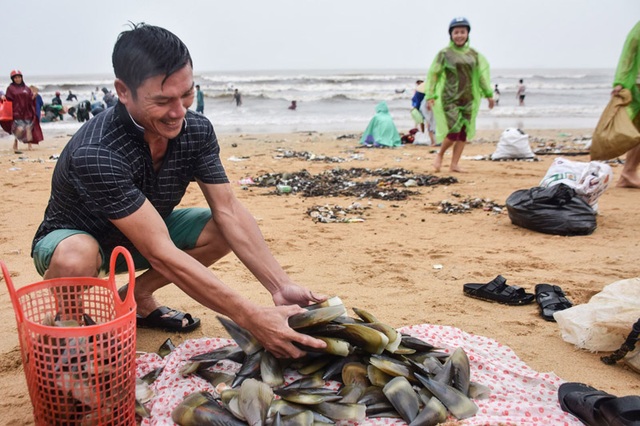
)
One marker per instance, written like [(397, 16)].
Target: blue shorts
[(184, 225)]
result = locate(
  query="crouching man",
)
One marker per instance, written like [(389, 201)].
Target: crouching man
[(118, 182)]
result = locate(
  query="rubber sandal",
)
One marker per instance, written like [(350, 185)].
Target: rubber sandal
[(167, 319), (497, 290), (551, 299), (621, 411), (583, 402)]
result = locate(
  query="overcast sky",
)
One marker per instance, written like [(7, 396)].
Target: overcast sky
[(72, 37)]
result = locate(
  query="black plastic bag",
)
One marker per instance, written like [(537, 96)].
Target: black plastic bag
[(554, 210)]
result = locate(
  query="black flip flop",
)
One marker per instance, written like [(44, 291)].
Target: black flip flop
[(622, 411), (167, 319), (598, 408), (497, 290), (551, 299), (583, 401)]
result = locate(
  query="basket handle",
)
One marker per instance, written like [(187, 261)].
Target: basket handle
[(132, 275), (12, 292)]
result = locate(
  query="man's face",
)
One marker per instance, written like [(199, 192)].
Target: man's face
[(17, 79), (160, 108), (459, 36)]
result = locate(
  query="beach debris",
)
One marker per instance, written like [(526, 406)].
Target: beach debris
[(283, 189), (467, 204), (574, 147), (349, 182), (369, 370), (332, 213), (488, 158), (348, 136), (236, 159), (306, 155)]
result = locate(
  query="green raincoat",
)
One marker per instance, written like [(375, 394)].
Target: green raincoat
[(628, 71), (381, 130), (458, 79)]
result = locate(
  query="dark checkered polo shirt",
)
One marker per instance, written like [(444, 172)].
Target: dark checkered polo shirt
[(106, 172)]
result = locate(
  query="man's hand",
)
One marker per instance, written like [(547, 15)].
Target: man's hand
[(492, 103), (293, 294), (270, 326)]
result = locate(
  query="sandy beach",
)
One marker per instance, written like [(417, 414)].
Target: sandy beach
[(384, 264)]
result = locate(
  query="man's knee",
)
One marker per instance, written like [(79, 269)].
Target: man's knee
[(76, 256)]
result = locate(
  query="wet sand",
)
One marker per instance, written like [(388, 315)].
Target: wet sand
[(385, 264)]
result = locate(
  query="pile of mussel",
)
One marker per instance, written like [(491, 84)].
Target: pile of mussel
[(367, 370)]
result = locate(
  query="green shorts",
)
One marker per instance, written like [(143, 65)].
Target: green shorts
[(184, 225)]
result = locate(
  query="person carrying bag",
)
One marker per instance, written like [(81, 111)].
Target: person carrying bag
[(615, 133)]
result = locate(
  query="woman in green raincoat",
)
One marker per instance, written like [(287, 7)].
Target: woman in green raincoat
[(457, 80), (628, 77)]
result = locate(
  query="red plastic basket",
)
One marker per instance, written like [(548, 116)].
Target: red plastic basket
[(78, 373)]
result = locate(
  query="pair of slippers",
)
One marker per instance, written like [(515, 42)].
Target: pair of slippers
[(550, 298), (167, 319), (597, 408)]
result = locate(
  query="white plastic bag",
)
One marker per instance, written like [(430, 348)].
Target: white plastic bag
[(513, 144), (421, 138), (590, 180), (605, 321)]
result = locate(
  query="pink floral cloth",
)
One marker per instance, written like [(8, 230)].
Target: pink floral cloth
[(519, 394)]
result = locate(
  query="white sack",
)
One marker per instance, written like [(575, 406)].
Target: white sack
[(605, 321), (513, 144)]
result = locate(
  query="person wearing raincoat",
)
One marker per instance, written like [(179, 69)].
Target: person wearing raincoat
[(381, 130), (628, 77), (25, 128), (457, 80)]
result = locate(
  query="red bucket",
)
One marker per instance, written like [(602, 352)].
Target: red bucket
[(78, 345)]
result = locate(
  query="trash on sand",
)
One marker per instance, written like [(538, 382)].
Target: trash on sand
[(348, 136), (437, 266), (349, 183), (246, 181), (306, 155), (283, 189), (330, 213), (467, 204)]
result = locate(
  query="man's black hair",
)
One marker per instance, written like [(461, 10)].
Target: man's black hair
[(147, 51)]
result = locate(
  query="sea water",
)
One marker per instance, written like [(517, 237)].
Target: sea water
[(344, 101)]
